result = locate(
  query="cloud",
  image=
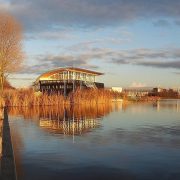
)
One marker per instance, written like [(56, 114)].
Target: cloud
[(177, 22), (161, 64), (166, 58), (177, 73), (137, 85), (91, 45), (37, 14), (49, 35), (162, 23), (161, 58), (49, 62)]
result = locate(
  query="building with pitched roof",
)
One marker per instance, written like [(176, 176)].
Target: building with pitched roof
[(66, 80)]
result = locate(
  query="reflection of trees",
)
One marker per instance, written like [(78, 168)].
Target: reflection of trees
[(75, 119)]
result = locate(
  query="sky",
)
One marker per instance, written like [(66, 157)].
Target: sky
[(135, 43)]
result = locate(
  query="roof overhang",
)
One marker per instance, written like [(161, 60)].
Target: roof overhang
[(71, 69)]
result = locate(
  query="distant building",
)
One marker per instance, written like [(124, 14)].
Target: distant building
[(137, 91), (65, 80), (165, 93), (158, 90), (178, 90), (117, 89)]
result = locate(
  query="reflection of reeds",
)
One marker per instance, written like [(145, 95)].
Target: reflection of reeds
[(27, 97), (55, 112), (67, 119)]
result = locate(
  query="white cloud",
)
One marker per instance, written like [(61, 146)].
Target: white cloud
[(40, 14), (138, 84)]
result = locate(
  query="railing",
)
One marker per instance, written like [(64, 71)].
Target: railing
[(7, 170), (90, 85)]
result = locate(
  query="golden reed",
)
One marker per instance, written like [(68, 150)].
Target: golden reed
[(27, 97)]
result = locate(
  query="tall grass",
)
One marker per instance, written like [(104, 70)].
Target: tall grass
[(27, 97), (92, 96)]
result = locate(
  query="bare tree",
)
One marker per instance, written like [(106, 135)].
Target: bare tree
[(11, 54)]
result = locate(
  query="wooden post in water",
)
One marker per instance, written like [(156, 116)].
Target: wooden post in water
[(8, 170)]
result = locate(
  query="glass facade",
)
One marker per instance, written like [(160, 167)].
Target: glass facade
[(72, 75)]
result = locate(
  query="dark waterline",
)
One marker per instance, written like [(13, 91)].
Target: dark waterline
[(136, 141)]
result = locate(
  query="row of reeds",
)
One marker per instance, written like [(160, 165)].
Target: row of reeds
[(92, 96), (27, 97)]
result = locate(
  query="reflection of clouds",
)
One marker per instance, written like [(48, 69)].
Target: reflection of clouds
[(158, 135)]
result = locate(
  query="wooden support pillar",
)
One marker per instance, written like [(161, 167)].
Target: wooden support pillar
[(68, 77), (65, 88), (80, 84), (73, 86)]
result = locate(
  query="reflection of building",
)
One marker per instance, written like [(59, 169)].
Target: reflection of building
[(70, 121), (65, 80), (168, 104), (69, 127), (158, 90)]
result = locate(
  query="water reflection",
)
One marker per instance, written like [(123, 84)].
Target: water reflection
[(69, 125), (69, 120), (137, 140), (1, 124), (79, 119), (168, 104), (160, 105)]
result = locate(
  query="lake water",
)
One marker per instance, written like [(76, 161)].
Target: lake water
[(117, 141)]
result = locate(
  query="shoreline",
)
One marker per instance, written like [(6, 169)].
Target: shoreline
[(125, 101)]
